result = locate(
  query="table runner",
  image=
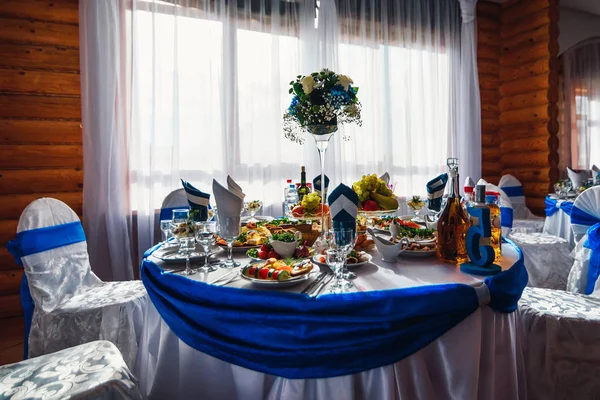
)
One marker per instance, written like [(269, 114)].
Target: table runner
[(294, 336)]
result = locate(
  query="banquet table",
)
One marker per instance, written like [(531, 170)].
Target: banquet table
[(558, 218), (478, 358)]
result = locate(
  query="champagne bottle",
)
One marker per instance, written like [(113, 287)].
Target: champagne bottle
[(453, 222), (303, 190)]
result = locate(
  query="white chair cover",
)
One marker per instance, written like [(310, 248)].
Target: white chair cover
[(93, 370), (524, 220), (177, 198), (561, 332), (72, 305), (588, 201)]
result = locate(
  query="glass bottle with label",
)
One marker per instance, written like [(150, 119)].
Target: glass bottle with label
[(453, 222), (491, 200), (303, 190)]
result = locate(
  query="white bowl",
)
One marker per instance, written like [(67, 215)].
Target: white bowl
[(286, 249), (389, 251)]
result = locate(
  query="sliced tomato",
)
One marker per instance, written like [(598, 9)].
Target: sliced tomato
[(250, 272), (263, 273), (275, 274)]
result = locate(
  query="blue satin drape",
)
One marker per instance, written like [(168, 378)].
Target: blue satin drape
[(295, 336)]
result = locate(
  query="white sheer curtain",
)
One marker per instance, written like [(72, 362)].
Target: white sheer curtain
[(580, 143), (209, 84)]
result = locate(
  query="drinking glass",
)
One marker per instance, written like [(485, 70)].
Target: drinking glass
[(187, 244), (165, 228), (252, 207), (342, 241), (180, 215), (229, 228), (206, 235)]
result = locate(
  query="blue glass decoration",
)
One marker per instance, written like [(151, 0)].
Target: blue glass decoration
[(479, 250)]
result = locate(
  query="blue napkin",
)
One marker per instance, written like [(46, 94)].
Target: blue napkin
[(197, 199), (317, 185), (435, 192), (343, 205)]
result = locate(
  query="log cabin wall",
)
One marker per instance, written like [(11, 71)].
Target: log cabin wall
[(40, 119), (529, 95), (489, 49)]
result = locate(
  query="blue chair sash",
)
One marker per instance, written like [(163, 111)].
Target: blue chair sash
[(513, 191), (506, 217), (593, 243), (551, 206), (332, 336), (580, 217), (36, 241)]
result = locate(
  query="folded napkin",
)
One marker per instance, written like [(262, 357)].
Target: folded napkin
[(197, 200), (578, 178), (595, 170), (230, 207), (435, 192), (343, 205), (386, 178), (235, 188), (317, 184)]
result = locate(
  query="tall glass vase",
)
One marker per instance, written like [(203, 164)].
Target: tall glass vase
[(322, 134)]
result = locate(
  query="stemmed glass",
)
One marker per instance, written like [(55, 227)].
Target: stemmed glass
[(165, 228), (206, 236), (229, 228), (341, 242), (187, 244), (252, 207)]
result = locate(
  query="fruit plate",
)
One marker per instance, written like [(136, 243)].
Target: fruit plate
[(316, 260), (239, 249), (282, 284)]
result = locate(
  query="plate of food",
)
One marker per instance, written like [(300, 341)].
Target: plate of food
[(354, 259), (251, 236), (310, 208), (374, 196), (420, 250), (408, 229), (267, 251), (278, 273)]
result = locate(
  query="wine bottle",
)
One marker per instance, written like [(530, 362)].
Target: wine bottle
[(303, 190), (453, 222)]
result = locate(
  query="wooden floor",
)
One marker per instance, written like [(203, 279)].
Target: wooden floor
[(11, 340)]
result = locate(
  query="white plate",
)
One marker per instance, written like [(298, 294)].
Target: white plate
[(282, 284), (418, 254), (315, 260), (171, 254)]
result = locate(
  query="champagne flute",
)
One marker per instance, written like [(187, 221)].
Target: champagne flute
[(187, 244), (342, 242), (206, 235), (229, 228), (165, 228)]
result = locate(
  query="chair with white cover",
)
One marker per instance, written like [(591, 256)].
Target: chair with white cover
[(524, 220), (174, 200), (560, 337), (72, 305), (92, 370), (585, 217)]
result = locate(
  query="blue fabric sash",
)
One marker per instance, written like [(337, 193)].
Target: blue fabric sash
[(513, 191), (551, 208), (593, 243), (295, 336), (506, 217), (36, 241), (580, 217)]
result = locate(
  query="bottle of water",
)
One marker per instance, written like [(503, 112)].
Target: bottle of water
[(291, 199)]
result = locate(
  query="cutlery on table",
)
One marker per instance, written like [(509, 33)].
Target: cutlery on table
[(317, 280), (321, 286), (231, 279), (221, 277)]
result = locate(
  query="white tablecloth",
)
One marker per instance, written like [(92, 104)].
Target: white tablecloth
[(559, 224), (478, 359)]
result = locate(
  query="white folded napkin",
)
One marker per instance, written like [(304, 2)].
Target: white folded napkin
[(230, 207), (235, 188), (578, 178), (386, 178)]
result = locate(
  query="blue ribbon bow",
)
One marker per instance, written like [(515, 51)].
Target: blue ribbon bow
[(551, 206), (36, 241), (593, 243)]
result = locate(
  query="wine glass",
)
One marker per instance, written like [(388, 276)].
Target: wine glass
[(229, 228), (187, 244), (206, 236), (342, 241), (165, 228)]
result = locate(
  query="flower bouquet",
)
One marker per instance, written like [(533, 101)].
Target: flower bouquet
[(320, 99)]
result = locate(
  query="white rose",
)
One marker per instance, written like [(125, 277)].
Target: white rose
[(345, 81), (308, 83)]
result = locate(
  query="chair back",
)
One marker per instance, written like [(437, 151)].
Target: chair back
[(585, 212), (513, 188), (52, 248), (506, 209), (174, 200)]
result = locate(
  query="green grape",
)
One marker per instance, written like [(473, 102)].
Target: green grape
[(311, 202), (368, 184)]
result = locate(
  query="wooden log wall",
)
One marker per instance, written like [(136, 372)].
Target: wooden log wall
[(489, 49), (517, 49), (40, 119)]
